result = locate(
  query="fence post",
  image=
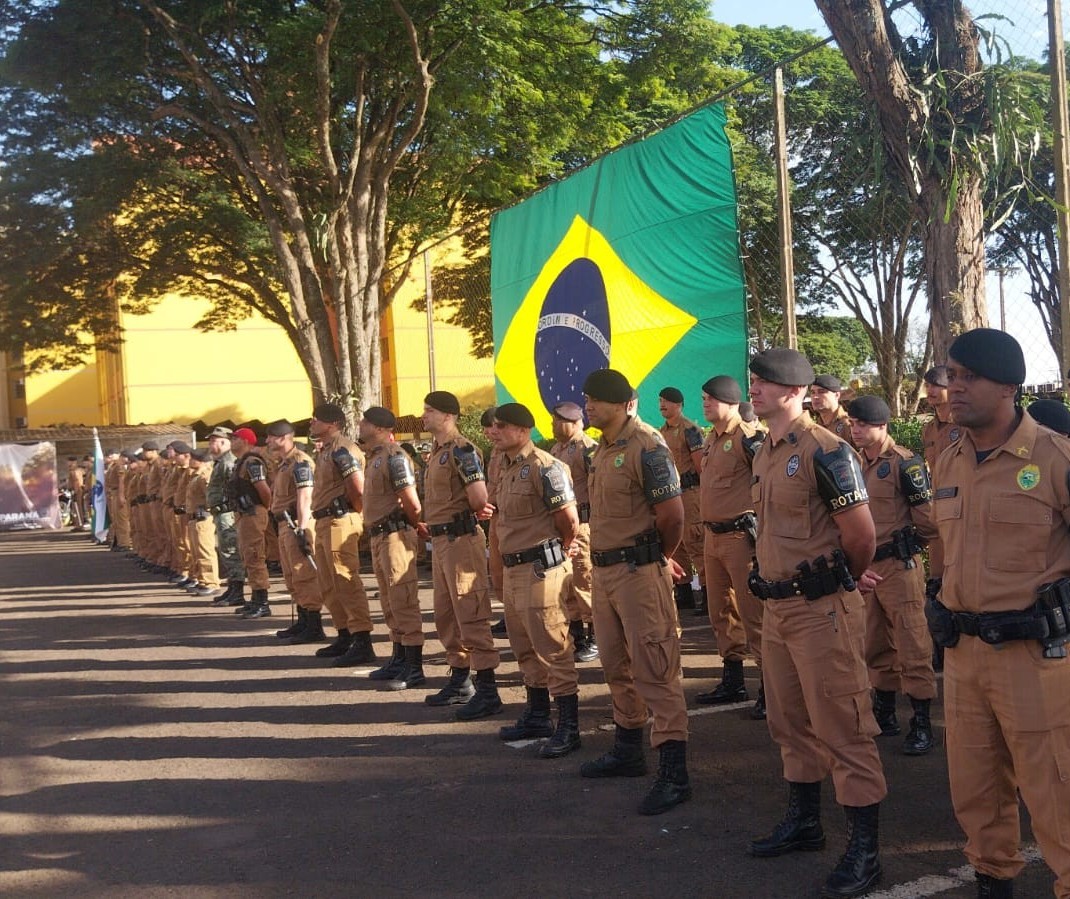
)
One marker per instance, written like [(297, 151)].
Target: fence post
[(429, 297), (783, 190)]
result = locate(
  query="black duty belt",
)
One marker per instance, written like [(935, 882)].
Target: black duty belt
[(884, 551), (179, 510), (441, 530), (337, 507), (584, 510), (640, 554), (1002, 627), (463, 523), (688, 480), (549, 554), (725, 527), (221, 508), (389, 526), (813, 581), (153, 497)]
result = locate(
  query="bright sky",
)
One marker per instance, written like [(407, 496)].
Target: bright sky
[(801, 14)]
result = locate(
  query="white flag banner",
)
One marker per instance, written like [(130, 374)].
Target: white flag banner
[(100, 508), (29, 495)]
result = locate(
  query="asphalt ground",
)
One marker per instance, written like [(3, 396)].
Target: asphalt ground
[(151, 745)]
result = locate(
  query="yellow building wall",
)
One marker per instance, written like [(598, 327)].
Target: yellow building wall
[(456, 369), (63, 398)]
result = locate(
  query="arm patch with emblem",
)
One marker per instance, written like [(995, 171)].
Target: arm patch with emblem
[(556, 486), (468, 464), (303, 476), (399, 468), (345, 462), (914, 481), (752, 444), (588, 456), (256, 469), (839, 478), (693, 438), (661, 480)]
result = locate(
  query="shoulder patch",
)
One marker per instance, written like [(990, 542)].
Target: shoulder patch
[(556, 486), (693, 437), (400, 470), (661, 480), (346, 463), (839, 478), (469, 465)]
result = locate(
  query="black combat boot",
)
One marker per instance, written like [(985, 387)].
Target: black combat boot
[(757, 711), (458, 689), (625, 759), (338, 647), (920, 737), (486, 701), (237, 598), (566, 737), (534, 721), (297, 627), (411, 673), (672, 785), (313, 631), (702, 607), (258, 605), (989, 887), (684, 596), (390, 670), (801, 827), (579, 638), (359, 652), (884, 712), (730, 689), (499, 629), (860, 866)]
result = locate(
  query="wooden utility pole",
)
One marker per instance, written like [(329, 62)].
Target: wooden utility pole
[(430, 298), (1061, 149), (783, 193)]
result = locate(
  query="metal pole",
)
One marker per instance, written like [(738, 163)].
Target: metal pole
[(1002, 301), (430, 298), (783, 190), (1061, 148)]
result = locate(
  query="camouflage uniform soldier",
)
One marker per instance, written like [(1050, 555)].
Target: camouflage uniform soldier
[(221, 505)]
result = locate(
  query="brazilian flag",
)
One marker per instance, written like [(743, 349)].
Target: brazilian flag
[(632, 263)]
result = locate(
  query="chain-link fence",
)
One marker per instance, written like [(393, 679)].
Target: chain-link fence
[(855, 231)]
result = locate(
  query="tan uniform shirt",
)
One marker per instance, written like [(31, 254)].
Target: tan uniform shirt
[(682, 439), (1003, 521), (389, 471), (197, 490), (936, 437), (168, 478), (181, 482), (452, 466), (574, 455), (628, 477), (533, 486), (494, 474), (840, 425), (726, 470), (799, 484), (339, 458), (899, 491), (293, 471)]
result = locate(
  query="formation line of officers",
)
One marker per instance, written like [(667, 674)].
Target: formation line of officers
[(800, 537)]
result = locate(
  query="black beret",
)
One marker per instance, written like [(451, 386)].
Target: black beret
[(672, 394), (1052, 414), (608, 385), (486, 420), (937, 376), (380, 416), (129, 454), (870, 409), (782, 365), (991, 354), (515, 414), (723, 388), (151, 446), (279, 428), (201, 455), (829, 382), (329, 412), (746, 412), (568, 411), (181, 447), (443, 401)]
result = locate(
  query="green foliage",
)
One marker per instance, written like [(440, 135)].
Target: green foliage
[(468, 424), (835, 345), (907, 432)]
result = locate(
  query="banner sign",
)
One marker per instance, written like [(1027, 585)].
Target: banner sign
[(631, 263), (28, 487)]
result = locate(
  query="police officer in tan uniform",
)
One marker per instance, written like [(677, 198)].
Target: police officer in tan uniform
[(536, 522), (118, 510), (157, 546), (201, 526), (391, 514), (815, 535), (574, 448), (1002, 504), (454, 491), (637, 520), (337, 504), (898, 646), (181, 555), (728, 517), (825, 401), (291, 508), (684, 439), (937, 435), (494, 554), (252, 499)]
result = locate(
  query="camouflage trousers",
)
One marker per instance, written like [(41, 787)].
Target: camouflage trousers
[(226, 535)]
